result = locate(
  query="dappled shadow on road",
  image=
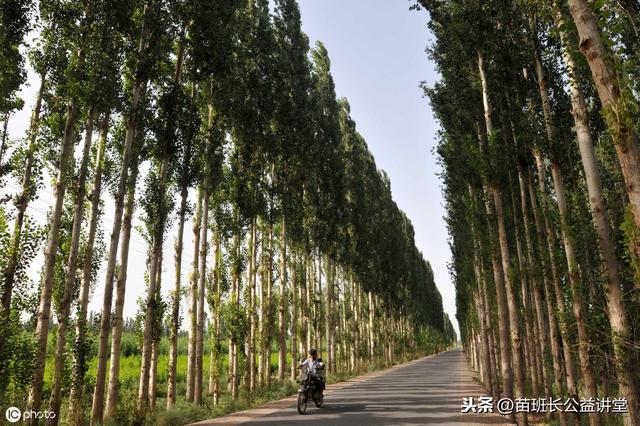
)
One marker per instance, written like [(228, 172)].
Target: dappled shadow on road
[(427, 392)]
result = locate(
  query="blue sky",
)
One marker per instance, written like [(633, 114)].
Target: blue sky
[(378, 60)]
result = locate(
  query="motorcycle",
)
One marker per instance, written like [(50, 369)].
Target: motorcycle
[(310, 389)]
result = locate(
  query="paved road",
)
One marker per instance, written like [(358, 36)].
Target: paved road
[(423, 392)]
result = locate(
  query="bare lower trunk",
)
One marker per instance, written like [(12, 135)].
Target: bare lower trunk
[(584, 346), (198, 388), (514, 317), (537, 287), (71, 272), (282, 320), (371, 338), (485, 357), (262, 318), (557, 289), (153, 369), (332, 326), (354, 324), (294, 321), (193, 301), (216, 347), (251, 352), (75, 414), (503, 317), (235, 299), (328, 313), (317, 300), (153, 372), (554, 338), (150, 318), (63, 179), (118, 320), (531, 339), (270, 306), (175, 314)]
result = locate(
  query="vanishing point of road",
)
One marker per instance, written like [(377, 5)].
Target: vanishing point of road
[(422, 392)]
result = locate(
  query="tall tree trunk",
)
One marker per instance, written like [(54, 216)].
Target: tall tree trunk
[(139, 88), (554, 338), (193, 300), (309, 302), (492, 352), (578, 307), (317, 301), (485, 359), (503, 314), (202, 276), (514, 317), (118, 318), (251, 361), (175, 314), (613, 96), (235, 299), (264, 363), (175, 307), (584, 346), (610, 263), (71, 272), (328, 313), (530, 338), (151, 302), (294, 320), (354, 324), (482, 308), (262, 318), (216, 348), (269, 305), (557, 289), (153, 369), (63, 179), (372, 313), (534, 271), (282, 319), (75, 414), (332, 322)]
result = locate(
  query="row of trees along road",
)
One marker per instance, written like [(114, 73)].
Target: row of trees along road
[(216, 115), (539, 110)]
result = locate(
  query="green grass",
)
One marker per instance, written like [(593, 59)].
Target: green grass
[(183, 412)]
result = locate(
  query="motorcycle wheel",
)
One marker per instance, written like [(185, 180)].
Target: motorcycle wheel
[(302, 403)]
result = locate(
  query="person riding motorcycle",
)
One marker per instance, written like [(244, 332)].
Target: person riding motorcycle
[(314, 364)]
